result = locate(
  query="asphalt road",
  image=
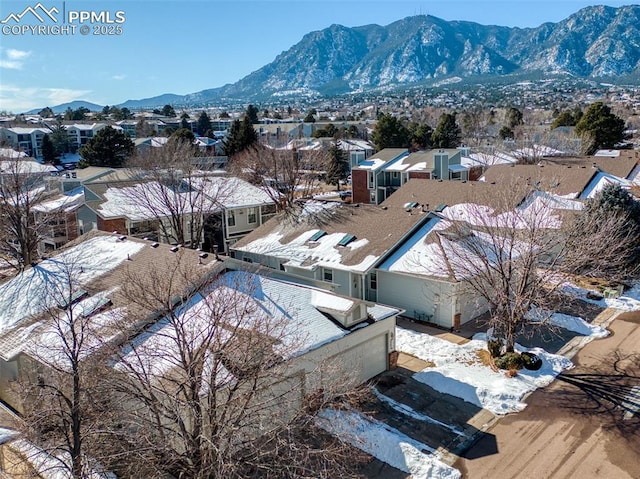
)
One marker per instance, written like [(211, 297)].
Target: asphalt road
[(585, 425)]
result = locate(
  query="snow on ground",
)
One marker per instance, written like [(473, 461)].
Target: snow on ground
[(386, 444), (628, 301), (568, 322), (459, 372), (57, 466)]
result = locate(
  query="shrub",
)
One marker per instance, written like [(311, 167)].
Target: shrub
[(495, 347), (531, 361), (509, 361)]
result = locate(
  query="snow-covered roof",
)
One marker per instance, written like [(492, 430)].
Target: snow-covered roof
[(599, 181), (305, 243), (149, 200), (232, 192), (488, 159), (66, 202), (536, 151), (287, 310), (11, 153), (27, 131), (25, 167), (382, 158), (417, 161), (372, 164), (354, 145), (40, 287), (426, 253), (609, 153)]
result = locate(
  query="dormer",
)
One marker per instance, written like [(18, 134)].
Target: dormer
[(346, 311)]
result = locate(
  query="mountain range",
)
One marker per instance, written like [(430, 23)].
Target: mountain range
[(597, 42)]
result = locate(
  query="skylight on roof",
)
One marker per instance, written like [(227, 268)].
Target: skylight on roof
[(317, 235), (346, 240)]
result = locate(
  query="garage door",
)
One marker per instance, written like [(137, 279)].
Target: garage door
[(369, 359)]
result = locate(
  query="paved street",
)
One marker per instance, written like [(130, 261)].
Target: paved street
[(585, 425)]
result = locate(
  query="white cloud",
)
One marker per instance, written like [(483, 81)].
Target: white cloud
[(11, 65), (14, 54), (20, 99), (14, 59), (119, 77)]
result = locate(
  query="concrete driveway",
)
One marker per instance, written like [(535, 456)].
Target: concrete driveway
[(585, 425)]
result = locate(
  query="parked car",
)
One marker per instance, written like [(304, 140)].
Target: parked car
[(345, 194)]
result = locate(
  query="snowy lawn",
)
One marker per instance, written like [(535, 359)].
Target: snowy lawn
[(628, 301), (386, 444), (458, 371)]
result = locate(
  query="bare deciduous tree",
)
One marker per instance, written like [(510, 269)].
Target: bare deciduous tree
[(174, 193), (284, 174), (510, 250), (207, 390), (62, 413), (22, 187)]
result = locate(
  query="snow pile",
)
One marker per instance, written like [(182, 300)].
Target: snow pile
[(386, 444), (459, 372), (568, 322)]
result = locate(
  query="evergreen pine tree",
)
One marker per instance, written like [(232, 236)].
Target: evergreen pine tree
[(338, 165), (49, 151), (204, 123), (447, 134), (109, 147)]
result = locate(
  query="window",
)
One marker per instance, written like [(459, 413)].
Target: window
[(268, 209), (373, 281), (252, 217), (346, 240), (317, 235), (231, 218), (371, 179), (327, 275)]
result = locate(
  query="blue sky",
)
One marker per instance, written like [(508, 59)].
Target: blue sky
[(184, 46)]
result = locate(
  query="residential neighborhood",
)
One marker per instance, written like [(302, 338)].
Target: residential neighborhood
[(179, 278), (408, 249)]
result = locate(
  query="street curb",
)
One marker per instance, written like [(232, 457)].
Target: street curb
[(604, 319)]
